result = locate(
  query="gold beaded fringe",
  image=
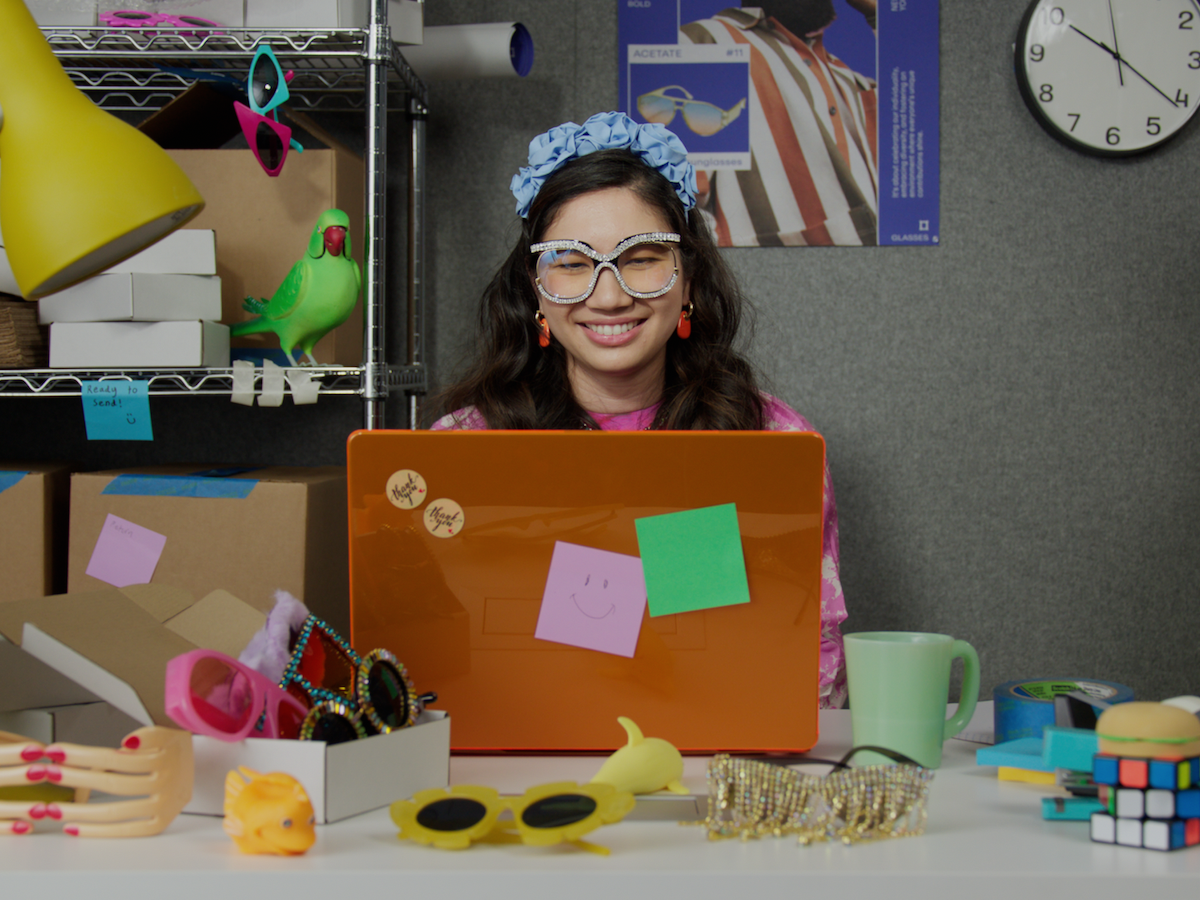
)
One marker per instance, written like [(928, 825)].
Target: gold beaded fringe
[(750, 798)]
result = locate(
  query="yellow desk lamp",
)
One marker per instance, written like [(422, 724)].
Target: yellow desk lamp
[(81, 190)]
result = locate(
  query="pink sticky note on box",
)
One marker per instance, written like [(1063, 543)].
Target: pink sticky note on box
[(594, 599), (125, 553)]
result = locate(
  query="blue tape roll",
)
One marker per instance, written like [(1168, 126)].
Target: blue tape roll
[(1024, 708)]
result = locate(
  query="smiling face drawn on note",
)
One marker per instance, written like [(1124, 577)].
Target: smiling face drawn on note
[(593, 599)]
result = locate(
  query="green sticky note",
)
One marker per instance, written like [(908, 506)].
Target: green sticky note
[(692, 560)]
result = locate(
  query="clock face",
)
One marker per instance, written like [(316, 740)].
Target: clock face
[(1111, 77)]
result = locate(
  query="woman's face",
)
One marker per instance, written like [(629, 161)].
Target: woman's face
[(616, 344)]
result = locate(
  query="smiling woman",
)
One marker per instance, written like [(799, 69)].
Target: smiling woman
[(616, 311)]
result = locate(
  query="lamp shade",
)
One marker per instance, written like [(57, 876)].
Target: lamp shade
[(81, 190)]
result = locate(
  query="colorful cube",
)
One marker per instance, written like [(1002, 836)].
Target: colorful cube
[(1150, 803)]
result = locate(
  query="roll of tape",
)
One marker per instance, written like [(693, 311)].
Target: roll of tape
[(1024, 708)]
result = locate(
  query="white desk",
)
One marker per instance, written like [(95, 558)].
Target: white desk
[(984, 839)]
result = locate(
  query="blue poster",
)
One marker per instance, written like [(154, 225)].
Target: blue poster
[(809, 122)]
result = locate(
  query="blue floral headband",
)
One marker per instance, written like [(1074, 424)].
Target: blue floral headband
[(659, 148)]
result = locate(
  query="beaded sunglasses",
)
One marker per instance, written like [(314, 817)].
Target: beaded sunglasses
[(562, 812), (751, 798), (646, 267), (348, 695)]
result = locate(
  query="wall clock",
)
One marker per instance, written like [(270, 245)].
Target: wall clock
[(1110, 77)]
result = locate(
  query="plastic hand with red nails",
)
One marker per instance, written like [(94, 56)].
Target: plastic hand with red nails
[(153, 765), (20, 766)]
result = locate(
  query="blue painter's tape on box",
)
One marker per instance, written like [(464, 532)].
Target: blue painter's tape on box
[(180, 486), (8, 479)]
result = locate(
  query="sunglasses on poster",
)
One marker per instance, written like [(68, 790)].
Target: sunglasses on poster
[(213, 694), (562, 812), (701, 117), (348, 695)]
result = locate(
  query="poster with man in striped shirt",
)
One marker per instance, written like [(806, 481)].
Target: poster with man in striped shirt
[(796, 139)]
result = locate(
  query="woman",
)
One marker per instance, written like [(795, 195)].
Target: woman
[(616, 312)]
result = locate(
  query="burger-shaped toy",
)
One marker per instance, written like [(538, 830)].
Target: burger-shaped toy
[(1149, 731)]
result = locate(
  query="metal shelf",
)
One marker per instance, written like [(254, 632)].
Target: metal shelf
[(336, 70)]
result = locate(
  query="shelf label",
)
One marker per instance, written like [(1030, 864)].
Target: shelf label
[(117, 410)]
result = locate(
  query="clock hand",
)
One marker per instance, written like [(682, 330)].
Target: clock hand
[(1116, 44), (1122, 61)]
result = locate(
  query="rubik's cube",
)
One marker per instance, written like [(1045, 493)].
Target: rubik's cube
[(1152, 803)]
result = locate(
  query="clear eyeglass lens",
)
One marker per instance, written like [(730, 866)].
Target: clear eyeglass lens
[(645, 268)]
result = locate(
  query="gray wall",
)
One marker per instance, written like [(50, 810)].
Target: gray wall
[(1011, 418)]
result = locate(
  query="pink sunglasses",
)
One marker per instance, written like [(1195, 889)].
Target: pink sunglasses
[(213, 694), (139, 21)]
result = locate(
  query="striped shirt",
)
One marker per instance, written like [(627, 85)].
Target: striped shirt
[(814, 175)]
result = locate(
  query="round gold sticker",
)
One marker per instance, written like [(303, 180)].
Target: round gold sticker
[(406, 489), (443, 518)]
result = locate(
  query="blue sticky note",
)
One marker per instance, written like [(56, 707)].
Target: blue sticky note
[(117, 410)]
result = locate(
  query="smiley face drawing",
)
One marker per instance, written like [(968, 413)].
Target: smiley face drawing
[(594, 589)]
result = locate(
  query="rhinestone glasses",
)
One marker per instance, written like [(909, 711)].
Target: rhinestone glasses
[(646, 266)]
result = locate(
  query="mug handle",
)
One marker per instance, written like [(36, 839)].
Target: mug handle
[(970, 689)]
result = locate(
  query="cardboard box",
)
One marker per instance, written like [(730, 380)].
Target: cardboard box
[(118, 641), (135, 297), (129, 345), (263, 225), (186, 251), (405, 17), (251, 533), (33, 529), (93, 724)]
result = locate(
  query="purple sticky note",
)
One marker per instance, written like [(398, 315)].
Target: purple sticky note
[(125, 553), (594, 599)]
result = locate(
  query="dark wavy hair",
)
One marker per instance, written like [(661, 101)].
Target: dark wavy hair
[(515, 383)]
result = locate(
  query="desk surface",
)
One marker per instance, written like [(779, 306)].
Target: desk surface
[(984, 839)]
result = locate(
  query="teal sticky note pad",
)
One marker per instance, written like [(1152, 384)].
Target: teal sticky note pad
[(692, 560), (117, 410)]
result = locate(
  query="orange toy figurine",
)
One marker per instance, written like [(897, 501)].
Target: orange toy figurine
[(268, 813)]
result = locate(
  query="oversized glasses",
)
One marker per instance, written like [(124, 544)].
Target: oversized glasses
[(703, 118), (267, 90), (349, 696), (213, 694), (646, 267), (140, 21), (549, 814)]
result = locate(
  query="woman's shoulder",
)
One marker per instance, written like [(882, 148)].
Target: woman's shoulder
[(466, 419), (778, 416)]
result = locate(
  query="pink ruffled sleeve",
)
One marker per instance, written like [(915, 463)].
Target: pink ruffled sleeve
[(781, 417), (466, 419)]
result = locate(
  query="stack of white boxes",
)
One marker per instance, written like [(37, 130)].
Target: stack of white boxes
[(158, 309)]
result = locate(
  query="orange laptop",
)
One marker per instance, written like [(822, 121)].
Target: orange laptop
[(545, 583)]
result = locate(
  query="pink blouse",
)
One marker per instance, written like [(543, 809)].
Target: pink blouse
[(779, 417)]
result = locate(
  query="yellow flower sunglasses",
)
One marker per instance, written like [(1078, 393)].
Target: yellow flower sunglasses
[(548, 814)]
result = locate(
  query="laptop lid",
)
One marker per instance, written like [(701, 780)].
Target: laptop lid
[(502, 568)]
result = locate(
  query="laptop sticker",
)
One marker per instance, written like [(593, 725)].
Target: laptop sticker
[(444, 518), (692, 560), (406, 489), (594, 599), (125, 553)]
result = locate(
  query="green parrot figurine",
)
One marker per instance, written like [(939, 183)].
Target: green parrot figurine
[(317, 295)]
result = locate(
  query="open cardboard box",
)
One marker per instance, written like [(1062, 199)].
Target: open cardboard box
[(118, 642)]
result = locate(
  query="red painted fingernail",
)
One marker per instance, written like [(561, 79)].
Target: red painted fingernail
[(54, 773), (31, 753), (56, 754), (35, 773), (37, 811), (21, 827), (72, 830), (132, 742), (53, 811)]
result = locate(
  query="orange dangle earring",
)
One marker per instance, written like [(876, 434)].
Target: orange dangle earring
[(543, 329), (684, 328)]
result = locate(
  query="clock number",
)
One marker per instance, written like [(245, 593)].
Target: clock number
[(1046, 94), (1076, 117), (1194, 56), (1153, 126), (1185, 20), (1181, 99), (1055, 15), (1113, 136), (1037, 53)]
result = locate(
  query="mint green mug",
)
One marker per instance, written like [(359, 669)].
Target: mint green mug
[(899, 686)]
